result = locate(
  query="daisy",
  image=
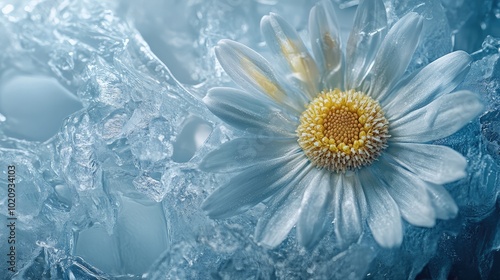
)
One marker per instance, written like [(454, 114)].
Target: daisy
[(334, 137)]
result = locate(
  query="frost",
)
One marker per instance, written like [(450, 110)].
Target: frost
[(115, 192)]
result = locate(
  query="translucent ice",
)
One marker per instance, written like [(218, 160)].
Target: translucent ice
[(468, 21), (34, 106), (115, 192)]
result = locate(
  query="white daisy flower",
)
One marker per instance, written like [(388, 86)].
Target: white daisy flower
[(340, 138)]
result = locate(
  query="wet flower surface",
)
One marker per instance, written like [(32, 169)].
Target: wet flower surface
[(347, 136)]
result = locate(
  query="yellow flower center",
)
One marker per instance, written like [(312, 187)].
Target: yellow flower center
[(342, 130)]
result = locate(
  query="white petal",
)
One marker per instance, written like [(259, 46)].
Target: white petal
[(444, 205), (438, 78), (368, 31), (348, 217), (239, 154), (325, 41), (286, 44), (409, 192), (432, 163), (384, 218), (442, 117), (283, 211), (394, 55), (314, 218), (253, 186), (251, 71), (245, 112)]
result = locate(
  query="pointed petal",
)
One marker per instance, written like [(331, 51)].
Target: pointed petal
[(432, 163), (283, 211), (325, 41), (253, 186), (409, 192), (250, 70), (384, 218), (239, 154), (442, 117), (286, 44), (394, 55), (360, 194), (348, 218), (313, 220), (368, 32), (243, 111), (438, 78), (444, 205)]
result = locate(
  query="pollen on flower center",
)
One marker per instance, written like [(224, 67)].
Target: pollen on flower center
[(342, 130)]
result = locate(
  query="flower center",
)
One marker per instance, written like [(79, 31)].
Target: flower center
[(342, 130)]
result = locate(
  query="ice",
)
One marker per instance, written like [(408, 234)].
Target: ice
[(35, 106), (490, 125), (468, 22), (471, 22), (129, 249), (435, 39), (108, 181)]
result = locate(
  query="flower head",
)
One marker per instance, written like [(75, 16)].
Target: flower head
[(336, 137), (342, 131)]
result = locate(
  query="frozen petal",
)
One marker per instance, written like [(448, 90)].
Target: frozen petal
[(394, 55), (360, 194), (348, 211), (368, 32), (286, 44), (251, 71), (438, 78), (245, 112), (444, 205), (432, 163), (248, 68), (325, 41), (409, 192), (253, 186), (241, 153), (384, 218), (442, 117), (314, 218), (283, 211)]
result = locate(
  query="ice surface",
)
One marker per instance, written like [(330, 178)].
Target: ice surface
[(115, 193), (435, 40), (468, 21), (472, 21), (34, 106)]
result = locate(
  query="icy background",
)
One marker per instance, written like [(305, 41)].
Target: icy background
[(100, 112)]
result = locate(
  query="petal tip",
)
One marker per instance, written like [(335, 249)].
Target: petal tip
[(222, 42), (464, 55), (271, 21), (389, 242), (214, 212), (273, 15), (264, 22), (454, 211), (414, 19), (413, 15), (266, 239), (206, 206)]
